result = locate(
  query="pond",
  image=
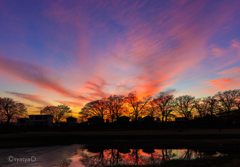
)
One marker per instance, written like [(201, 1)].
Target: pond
[(79, 155), (110, 157)]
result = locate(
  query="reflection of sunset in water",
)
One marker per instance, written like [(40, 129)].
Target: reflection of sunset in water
[(109, 157)]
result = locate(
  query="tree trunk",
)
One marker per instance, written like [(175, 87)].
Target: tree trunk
[(8, 120), (136, 117), (163, 115)]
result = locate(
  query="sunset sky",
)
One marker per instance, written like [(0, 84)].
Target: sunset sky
[(72, 52)]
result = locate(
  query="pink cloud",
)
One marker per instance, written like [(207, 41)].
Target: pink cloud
[(38, 75), (33, 98), (224, 57), (151, 53), (46, 78), (229, 80), (147, 54), (232, 70)]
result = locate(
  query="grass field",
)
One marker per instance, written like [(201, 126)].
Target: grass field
[(199, 137)]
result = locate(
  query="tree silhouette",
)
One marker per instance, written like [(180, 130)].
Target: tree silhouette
[(82, 117), (228, 99), (95, 108), (237, 103), (212, 104), (163, 103), (201, 105), (115, 106), (151, 109), (56, 111), (136, 104), (184, 105), (10, 109)]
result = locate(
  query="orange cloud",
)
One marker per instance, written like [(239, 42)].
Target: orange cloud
[(142, 50), (224, 83), (151, 53)]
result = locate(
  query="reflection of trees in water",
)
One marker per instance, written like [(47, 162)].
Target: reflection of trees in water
[(136, 157), (102, 158), (188, 154), (110, 157), (94, 159), (208, 153), (65, 163), (167, 154)]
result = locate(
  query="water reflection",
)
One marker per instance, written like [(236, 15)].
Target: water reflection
[(110, 157)]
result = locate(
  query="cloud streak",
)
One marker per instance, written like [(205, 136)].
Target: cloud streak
[(33, 98), (230, 80), (87, 50), (35, 74), (71, 104)]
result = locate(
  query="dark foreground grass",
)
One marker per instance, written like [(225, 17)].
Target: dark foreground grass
[(130, 139)]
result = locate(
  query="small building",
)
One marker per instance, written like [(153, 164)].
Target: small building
[(95, 120), (158, 120), (148, 119), (233, 116), (123, 119), (40, 120), (181, 119), (71, 121), (60, 124), (140, 119), (22, 121)]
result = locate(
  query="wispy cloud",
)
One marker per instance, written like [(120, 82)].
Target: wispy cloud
[(70, 103), (33, 73), (224, 57), (91, 49), (33, 98), (230, 80)]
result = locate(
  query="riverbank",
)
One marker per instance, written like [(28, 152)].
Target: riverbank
[(206, 138)]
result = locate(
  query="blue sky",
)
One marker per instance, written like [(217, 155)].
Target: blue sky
[(58, 52)]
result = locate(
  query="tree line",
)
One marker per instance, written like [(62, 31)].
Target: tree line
[(164, 106), (9, 109)]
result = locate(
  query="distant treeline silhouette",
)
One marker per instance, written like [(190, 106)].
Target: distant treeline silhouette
[(163, 106)]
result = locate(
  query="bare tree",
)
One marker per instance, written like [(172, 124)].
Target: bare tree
[(151, 108), (10, 109), (137, 104), (82, 117), (56, 111), (163, 103), (115, 105), (237, 100), (95, 108), (228, 99), (185, 104), (201, 105), (237, 104), (212, 104)]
